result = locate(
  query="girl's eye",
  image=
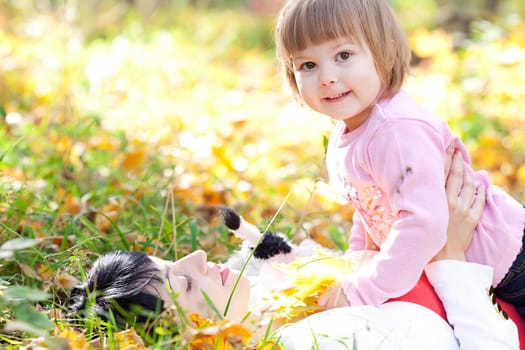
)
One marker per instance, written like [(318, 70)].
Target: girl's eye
[(343, 56), (307, 66)]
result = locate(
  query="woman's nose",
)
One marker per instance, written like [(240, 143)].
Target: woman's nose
[(200, 260)]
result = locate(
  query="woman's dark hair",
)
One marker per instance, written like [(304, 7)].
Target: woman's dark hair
[(121, 284)]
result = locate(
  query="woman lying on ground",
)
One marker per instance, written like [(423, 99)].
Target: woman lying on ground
[(473, 319)]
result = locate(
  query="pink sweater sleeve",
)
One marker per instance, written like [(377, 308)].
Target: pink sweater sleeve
[(357, 240), (405, 159)]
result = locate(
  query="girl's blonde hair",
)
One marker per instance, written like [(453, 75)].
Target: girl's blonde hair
[(371, 22)]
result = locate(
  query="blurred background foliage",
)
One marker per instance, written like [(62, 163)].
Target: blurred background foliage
[(125, 124)]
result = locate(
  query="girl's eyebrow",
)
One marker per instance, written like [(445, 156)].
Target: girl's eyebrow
[(297, 58)]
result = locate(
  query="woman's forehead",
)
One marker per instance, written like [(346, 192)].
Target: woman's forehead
[(163, 264)]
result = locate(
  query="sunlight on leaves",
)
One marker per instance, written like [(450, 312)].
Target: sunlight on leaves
[(307, 279), (75, 339), (428, 44), (129, 339), (222, 335)]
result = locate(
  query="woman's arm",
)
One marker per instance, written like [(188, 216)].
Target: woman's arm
[(464, 287)]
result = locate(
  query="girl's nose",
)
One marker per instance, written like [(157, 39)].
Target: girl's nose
[(327, 77)]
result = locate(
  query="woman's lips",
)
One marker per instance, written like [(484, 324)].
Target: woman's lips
[(224, 271)]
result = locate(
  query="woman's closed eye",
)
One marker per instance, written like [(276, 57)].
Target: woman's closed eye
[(181, 282), (189, 282)]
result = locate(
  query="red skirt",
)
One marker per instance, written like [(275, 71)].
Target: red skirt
[(423, 294)]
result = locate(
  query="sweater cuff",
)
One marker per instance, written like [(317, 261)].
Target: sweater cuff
[(446, 272)]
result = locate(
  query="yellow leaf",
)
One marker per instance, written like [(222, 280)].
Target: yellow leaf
[(428, 44), (221, 334), (75, 339), (104, 142), (307, 279), (516, 34), (521, 174), (269, 345), (129, 340)]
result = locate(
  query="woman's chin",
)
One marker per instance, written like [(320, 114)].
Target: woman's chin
[(240, 301)]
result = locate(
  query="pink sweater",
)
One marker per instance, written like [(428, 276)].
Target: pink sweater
[(391, 170)]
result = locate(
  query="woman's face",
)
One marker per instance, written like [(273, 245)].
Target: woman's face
[(192, 275)]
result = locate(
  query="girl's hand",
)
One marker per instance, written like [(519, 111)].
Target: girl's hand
[(333, 297), (465, 205)]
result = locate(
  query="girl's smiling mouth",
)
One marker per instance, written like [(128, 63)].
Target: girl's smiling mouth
[(337, 97)]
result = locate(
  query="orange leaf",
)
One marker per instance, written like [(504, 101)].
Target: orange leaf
[(133, 159), (110, 211), (44, 272), (71, 205), (66, 281), (213, 197)]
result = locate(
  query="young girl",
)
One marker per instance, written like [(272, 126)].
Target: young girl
[(348, 59)]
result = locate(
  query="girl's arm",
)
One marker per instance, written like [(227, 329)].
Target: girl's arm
[(463, 287), (357, 239), (404, 205)]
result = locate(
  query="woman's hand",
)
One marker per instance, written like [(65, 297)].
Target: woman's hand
[(465, 205)]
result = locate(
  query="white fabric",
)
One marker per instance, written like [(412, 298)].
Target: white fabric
[(396, 325), (462, 288)]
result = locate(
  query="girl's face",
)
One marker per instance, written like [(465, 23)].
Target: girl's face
[(338, 78), (191, 275)]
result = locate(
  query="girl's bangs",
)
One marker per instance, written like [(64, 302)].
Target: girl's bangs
[(316, 23)]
